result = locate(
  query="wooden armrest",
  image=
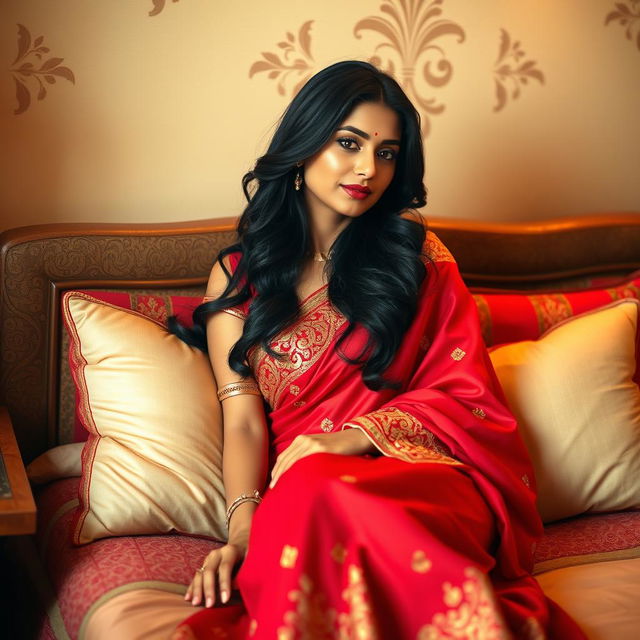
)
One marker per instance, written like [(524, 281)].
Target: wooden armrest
[(17, 508)]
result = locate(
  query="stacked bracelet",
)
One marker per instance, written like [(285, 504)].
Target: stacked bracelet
[(237, 389), (244, 497)]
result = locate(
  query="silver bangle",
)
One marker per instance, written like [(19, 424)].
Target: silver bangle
[(244, 497)]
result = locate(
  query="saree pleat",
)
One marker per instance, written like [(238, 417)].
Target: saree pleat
[(432, 538)]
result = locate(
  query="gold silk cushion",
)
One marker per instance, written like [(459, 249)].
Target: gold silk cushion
[(575, 394), (152, 462)]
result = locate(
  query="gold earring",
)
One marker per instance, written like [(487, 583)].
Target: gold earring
[(297, 183)]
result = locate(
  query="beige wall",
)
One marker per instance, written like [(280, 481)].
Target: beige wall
[(154, 115)]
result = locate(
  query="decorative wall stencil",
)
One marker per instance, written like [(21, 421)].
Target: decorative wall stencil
[(411, 32), (628, 16), (509, 71), (158, 6), (296, 58), (29, 69)]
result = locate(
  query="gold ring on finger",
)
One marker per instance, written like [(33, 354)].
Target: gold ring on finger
[(201, 569)]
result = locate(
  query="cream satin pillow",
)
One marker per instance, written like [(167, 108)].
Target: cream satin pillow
[(63, 461), (575, 394), (152, 463)]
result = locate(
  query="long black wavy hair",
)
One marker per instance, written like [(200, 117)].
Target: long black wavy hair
[(376, 266)]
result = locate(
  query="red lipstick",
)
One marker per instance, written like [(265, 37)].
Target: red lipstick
[(356, 191)]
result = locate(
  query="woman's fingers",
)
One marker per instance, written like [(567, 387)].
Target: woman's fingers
[(218, 567), (209, 578), (229, 557), (194, 592), (198, 590)]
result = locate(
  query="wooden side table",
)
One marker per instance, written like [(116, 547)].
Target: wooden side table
[(17, 508)]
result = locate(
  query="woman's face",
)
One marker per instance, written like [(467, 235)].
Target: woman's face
[(351, 172)]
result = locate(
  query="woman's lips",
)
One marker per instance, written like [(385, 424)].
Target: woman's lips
[(356, 191)]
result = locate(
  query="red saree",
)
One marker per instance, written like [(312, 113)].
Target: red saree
[(433, 539)]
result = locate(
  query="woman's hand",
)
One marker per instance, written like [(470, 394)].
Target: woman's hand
[(216, 568), (348, 442)]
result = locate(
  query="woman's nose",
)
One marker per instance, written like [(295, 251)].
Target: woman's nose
[(365, 165)]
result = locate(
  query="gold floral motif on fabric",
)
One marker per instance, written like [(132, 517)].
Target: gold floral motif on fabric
[(420, 563), (457, 354), (288, 557), (326, 425), (550, 309), (154, 307), (339, 553), (629, 290), (398, 434), (435, 249), (301, 345), (312, 618), (358, 623), (532, 630), (472, 612)]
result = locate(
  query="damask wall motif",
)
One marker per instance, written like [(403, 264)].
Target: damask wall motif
[(167, 114), (627, 15), (297, 59), (158, 6), (31, 72), (510, 72), (410, 31)]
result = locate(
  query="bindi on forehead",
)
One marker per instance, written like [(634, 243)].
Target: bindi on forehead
[(375, 133)]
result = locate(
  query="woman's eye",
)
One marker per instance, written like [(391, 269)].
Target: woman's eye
[(348, 143), (387, 154)]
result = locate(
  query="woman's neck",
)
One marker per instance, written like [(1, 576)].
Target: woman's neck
[(324, 231)]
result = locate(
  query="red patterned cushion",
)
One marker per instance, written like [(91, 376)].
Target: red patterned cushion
[(592, 538), (512, 316), (157, 307), (81, 575)]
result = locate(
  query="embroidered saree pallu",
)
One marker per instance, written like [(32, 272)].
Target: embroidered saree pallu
[(434, 537)]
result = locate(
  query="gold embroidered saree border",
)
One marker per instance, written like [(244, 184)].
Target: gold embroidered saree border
[(436, 250), (233, 311), (398, 434), (302, 344)]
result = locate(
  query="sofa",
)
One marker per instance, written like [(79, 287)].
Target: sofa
[(548, 294)]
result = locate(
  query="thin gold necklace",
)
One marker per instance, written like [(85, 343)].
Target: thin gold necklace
[(320, 256)]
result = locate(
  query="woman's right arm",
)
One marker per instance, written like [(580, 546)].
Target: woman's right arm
[(244, 458)]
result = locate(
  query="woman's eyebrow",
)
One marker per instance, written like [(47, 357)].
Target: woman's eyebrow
[(366, 136)]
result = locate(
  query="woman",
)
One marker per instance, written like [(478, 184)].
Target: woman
[(348, 335)]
